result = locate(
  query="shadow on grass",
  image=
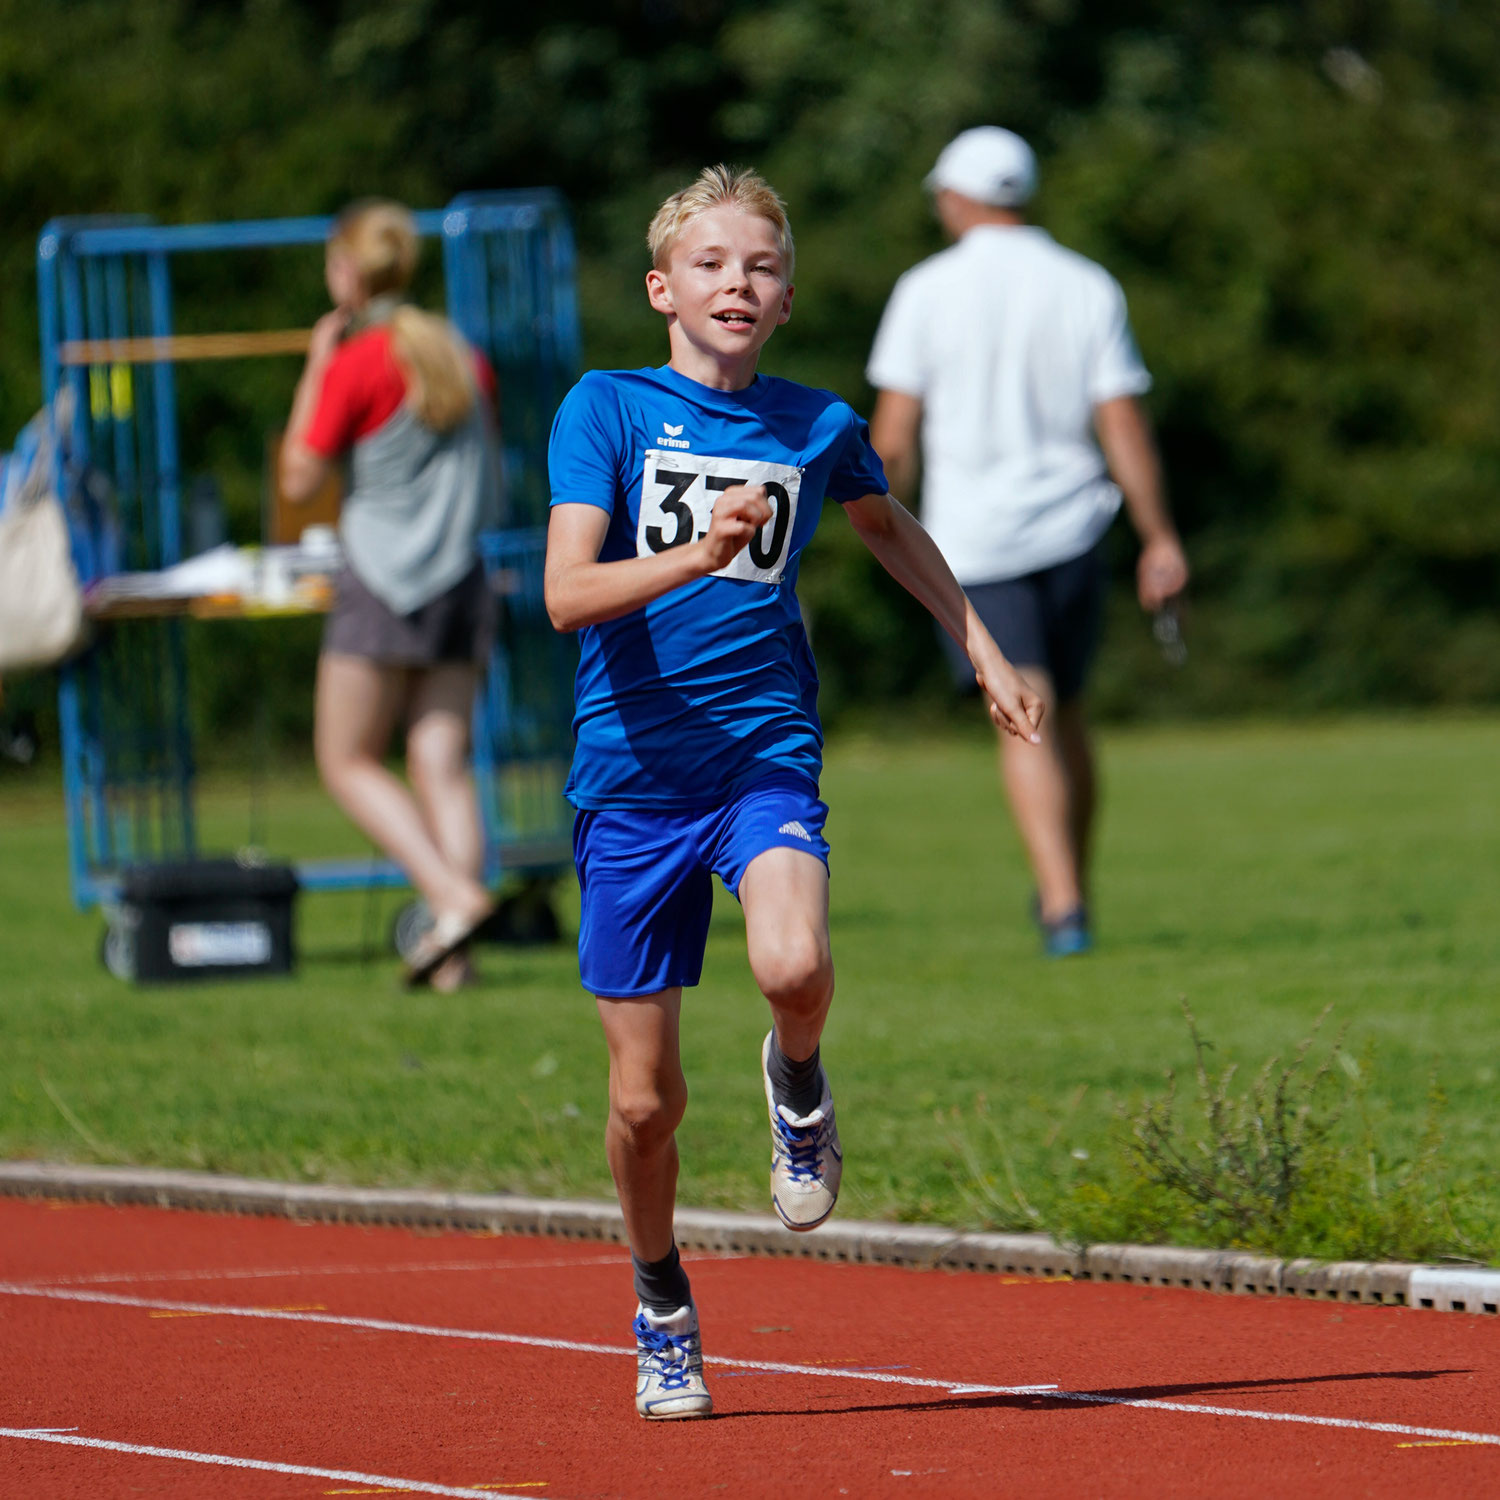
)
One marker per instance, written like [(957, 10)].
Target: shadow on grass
[(343, 956)]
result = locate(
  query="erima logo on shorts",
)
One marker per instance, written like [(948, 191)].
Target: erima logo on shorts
[(796, 830), (674, 437)]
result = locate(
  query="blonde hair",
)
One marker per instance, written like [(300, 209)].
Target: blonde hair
[(715, 187), (380, 238)]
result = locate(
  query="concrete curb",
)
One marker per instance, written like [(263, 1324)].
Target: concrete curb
[(1467, 1288)]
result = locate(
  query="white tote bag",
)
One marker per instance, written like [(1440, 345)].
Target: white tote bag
[(41, 603)]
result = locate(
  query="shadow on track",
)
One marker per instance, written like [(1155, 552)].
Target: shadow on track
[(1079, 1401)]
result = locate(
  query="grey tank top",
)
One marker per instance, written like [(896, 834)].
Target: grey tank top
[(417, 501)]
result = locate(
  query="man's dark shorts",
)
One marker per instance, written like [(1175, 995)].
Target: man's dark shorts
[(1049, 619)]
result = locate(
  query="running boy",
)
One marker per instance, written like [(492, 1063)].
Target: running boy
[(682, 498)]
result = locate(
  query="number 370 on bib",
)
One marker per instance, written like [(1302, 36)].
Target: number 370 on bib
[(678, 491)]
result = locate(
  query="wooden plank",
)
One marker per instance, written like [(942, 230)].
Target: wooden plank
[(284, 521), (184, 346)]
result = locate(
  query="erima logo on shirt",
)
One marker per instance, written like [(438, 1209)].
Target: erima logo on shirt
[(796, 830), (674, 437)]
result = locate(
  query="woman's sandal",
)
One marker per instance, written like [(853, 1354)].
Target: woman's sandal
[(449, 935)]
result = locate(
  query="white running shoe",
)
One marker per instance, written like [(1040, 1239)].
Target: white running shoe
[(806, 1162), (669, 1365)]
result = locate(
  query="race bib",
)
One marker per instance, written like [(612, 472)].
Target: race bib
[(678, 491)]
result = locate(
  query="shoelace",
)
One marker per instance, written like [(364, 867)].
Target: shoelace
[(802, 1148), (667, 1353)]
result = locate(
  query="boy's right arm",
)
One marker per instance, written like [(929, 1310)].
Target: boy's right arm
[(581, 590)]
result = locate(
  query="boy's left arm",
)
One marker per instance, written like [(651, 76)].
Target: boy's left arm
[(911, 557)]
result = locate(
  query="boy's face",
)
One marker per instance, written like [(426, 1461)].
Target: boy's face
[(724, 289)]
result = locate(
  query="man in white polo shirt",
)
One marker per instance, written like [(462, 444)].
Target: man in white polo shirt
[(1009, 362)]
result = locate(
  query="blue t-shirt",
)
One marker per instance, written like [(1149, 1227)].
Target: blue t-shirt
[(711, 687)]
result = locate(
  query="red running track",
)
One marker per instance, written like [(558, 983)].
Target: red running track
[(174, 1354)]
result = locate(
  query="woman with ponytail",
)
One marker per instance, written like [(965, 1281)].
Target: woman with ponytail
[(398, 392)]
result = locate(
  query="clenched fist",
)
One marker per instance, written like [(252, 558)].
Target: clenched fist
[(738, 514)]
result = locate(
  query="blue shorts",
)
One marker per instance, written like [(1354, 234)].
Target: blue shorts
[(645, 880)]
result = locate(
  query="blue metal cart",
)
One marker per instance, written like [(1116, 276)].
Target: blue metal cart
[(109, 350)]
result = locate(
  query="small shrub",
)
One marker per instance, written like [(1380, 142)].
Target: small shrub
[(1287, 1164), (1291, 1165), (1242, 1170)]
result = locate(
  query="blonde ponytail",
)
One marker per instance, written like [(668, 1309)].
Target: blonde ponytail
[(438, 367)]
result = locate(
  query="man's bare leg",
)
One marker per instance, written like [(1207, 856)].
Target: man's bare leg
[(1037, 783), (1083, 784)]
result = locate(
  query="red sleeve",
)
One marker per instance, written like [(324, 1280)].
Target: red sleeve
[(362, 390), (488, 381)]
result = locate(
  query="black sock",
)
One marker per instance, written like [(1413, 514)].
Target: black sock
[(661, 1285), (794, 1084)]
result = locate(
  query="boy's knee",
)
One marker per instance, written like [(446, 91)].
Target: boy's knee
[(797, 975), (648, 1117)]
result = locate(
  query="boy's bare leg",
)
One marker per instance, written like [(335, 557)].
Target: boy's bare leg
[(1041, 800), (785, 897), (647, 1097)]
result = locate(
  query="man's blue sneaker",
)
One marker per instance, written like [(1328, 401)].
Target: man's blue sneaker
[(1068, 936), (669, 1365)]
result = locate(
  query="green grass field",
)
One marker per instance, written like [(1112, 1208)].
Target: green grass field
[(1260, 872)]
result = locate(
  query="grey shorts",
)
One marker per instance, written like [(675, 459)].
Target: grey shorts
[(457, 626), (1050, 618)]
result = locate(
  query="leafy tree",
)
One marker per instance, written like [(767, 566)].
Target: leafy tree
[(1300, 201)]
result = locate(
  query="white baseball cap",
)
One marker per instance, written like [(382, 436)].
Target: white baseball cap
[(987, 164)]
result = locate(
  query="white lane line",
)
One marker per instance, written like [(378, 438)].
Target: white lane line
[(229, 1461), (1098, 1399), (272, 1273), (488, 1336), (830, 1372)]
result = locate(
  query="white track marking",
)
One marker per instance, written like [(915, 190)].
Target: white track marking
[(827, 1372), (488, 1336), (1098, 1399), (271, 1273), (229, 1461)]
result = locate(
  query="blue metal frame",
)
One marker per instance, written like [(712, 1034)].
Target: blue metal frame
[(128, 771)]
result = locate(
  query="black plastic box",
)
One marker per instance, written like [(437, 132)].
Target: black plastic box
[(202, 919)]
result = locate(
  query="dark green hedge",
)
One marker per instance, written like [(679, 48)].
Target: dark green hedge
[(1302, 202)]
